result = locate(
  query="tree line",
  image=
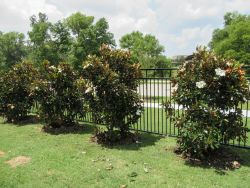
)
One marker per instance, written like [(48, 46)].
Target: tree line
[(71, 40)]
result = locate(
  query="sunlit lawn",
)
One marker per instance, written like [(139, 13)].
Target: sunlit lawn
[(72, 160)]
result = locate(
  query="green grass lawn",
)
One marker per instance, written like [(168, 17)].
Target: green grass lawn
[(71, 160)]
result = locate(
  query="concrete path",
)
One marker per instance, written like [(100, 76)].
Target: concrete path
[(155, 89)]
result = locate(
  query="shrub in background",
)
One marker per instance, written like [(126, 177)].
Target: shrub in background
[(60, 95), (210, 89), (113, 78), (16, 97)]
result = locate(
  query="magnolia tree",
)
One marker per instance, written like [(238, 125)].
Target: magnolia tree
[(16, 96), (113, 83), (210, 89), (60, 95)]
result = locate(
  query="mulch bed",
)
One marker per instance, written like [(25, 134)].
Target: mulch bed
[(103, 138), (74, 129), (223, 159)]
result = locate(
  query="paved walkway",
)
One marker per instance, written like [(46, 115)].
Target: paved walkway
[(246, 113), (155, 89)]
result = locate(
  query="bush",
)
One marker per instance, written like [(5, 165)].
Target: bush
[(16, 97), (113, 83), (60, 95), (210, 89)]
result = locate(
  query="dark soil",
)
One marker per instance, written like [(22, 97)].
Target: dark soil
[(30, 119), (74, 128), (223, 158), (104, 138)]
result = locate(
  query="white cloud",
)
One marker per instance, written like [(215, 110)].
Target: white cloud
[(190, 38), (180, 25)]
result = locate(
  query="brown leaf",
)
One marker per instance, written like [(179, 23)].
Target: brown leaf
[(235, 164)]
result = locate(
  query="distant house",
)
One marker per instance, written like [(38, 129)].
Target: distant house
[(180, 59), (189, 57)]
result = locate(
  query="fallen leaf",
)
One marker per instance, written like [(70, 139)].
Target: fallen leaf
[(236, 164), (123, 186), (110, 167), (145, 169)]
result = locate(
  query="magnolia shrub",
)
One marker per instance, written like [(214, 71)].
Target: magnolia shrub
[(113, 83), (210, 89), (16, 96), (60, 95)]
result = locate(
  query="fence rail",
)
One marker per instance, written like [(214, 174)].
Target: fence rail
[(155, 88)]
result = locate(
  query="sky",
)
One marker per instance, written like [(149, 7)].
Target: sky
[(179, 25)]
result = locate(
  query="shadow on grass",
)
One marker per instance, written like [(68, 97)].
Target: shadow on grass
[(144, 140), (28, 120), (226, 159), (81, 128)]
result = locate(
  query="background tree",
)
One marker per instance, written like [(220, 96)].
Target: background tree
[(39, 39), (12, 49), (88, 36), (233, 41), (146, 49), (61, 43)]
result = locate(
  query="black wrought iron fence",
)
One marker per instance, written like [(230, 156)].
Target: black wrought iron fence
[(155, 88)]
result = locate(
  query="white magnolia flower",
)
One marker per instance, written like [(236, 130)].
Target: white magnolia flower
[(182, 69), (220, 72), (59, 70), (86, 66), (185, 63), (89, 90), (200, 84), (138, 112), (52, 67)]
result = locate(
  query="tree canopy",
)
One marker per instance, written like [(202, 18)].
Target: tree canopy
[(39, 38), (145, 48), (233, 41), (72, 39), (88, 36), (12, 49), (69, 40)]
